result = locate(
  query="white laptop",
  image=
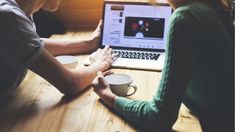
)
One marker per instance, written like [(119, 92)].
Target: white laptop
[(137, 32)]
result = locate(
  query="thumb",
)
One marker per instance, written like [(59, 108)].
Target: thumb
[(101, 81)]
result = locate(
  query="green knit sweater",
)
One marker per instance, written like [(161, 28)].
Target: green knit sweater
[(198, 71)]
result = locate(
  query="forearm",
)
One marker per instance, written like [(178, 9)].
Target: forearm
[(58, 47), (65, 80), (50, 69), (143, 114), (155, 115)]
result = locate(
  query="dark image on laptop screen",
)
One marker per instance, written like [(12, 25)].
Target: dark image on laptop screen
[(142, 27)]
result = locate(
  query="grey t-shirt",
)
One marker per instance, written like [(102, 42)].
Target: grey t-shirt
[(20, 45)]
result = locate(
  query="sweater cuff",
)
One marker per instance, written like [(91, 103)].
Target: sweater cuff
[(120, 103)]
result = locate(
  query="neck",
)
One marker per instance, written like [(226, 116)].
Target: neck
[(28, 6)]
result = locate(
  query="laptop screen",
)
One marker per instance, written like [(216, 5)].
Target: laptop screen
[(135, 25)]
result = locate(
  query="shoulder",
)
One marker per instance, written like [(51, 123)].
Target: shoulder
[(7, 8), (194, 11), (194, 16), (195, 8), (13, 19), (6, 11), (10, 13)]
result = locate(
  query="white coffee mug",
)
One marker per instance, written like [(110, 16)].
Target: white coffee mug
[(120, 84)]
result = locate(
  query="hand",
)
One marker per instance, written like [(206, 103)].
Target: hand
[(102, 88), (95, 37), (102, 57)]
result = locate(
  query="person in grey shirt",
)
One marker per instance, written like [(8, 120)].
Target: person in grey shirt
[(22, 49)]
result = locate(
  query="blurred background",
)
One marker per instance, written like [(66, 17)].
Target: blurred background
[(74, 15), (71, 15)]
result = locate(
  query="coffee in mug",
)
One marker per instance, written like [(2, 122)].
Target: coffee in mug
[(120, 84)]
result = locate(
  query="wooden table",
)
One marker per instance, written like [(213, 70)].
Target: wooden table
[(36, 106)]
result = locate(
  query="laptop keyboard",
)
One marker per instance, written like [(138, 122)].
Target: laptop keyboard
[(137, 55)]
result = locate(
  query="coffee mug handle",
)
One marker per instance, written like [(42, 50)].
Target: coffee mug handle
[(135, 89)]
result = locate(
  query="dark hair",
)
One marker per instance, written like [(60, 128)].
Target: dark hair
[(225, 10)]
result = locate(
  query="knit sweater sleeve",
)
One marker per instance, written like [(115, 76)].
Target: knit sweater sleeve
[(160, 113)]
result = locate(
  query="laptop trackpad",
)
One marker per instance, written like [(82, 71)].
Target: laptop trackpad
[(139, 64)]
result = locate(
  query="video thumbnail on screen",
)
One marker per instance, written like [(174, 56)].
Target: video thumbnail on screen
[(143, 27)]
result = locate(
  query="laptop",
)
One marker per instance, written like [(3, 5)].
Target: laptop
[(137, 33)]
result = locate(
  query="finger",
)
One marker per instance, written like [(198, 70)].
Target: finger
[(101, 82), (101, 79), (100, 23), (106, 48), (106, 73), (115, 56), (110, 51), (98, 28), (91, 59), (99, 50), (95, 83)]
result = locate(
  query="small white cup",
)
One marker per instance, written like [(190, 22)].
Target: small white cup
[(120, 84), (68, 61)]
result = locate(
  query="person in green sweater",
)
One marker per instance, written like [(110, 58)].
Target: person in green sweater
[(198, 71)]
